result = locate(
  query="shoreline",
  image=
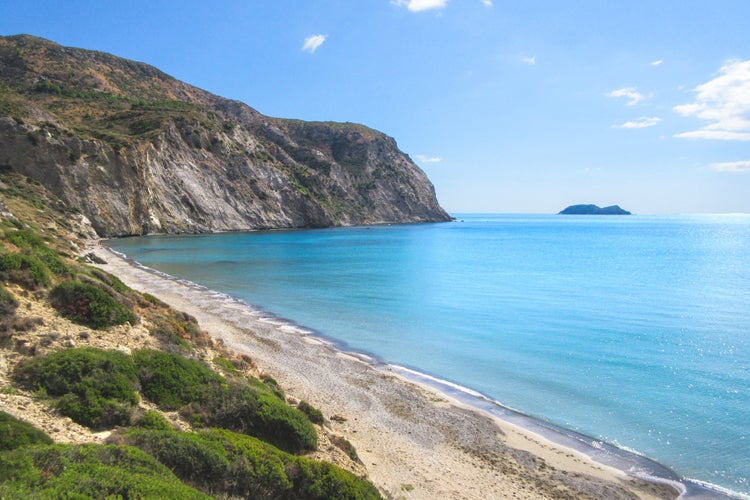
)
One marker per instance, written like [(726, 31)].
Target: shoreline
[(417, 435)]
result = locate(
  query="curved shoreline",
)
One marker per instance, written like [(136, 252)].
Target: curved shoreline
[(560, 448)]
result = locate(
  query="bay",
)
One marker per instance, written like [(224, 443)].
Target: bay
[(633, 330)]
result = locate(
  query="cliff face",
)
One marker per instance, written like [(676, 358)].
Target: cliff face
[(139, 152)]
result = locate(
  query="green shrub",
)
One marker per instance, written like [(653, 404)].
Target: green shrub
[(88, 471), (54, 263), (33, 244), (25, 239), (15, 433), (109, 279), (94, 387), (26, 270), (255, 411), (313, 414), (89, 305), (154, 420), (274, 386), (343, 444), (8, 303), (93, 411), (172, 381), (321, 480), (229, 464), (177, 328), (226, 365), (153, 300), (192, 459)]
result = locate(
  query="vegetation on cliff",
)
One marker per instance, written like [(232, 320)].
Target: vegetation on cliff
[(238, 436)]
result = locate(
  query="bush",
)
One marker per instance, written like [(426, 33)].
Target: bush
[(8, 303), (15, 433), (34, 245), (88, 471), (26, 270), (153, 300), (89, 305), (226, 365), (255, 411), (109, 279), (96, 388), (344, 445), (313, 414), (271, 383), (25, 239), (172, 381), (229, 464), (54, 263), (177, 328), (194, 461), (93, 411), (154, 420)]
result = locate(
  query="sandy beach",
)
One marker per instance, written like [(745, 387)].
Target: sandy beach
[(414, 441)]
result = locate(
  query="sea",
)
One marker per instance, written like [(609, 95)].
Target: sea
[(629, 333)]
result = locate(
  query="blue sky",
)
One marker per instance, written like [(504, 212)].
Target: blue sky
[(523, 106)]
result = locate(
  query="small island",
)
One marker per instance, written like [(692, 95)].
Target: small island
[(594, 210)]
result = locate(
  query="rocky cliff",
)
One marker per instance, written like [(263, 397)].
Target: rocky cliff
[(140, 152)]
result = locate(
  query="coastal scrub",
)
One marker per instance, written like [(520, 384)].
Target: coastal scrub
[(88, 471), (236, 465), (89, 305), (94, 387)]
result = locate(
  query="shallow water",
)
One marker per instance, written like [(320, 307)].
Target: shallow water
[(634, 330)]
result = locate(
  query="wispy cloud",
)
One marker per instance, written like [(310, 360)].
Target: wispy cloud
[(487, 3), (531, 61), (731, 166), (658, 62), (642, 122), (428, 159), (724, 103), (312, 43), (629, 93), (421, 5)]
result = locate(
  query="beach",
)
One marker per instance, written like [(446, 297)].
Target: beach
[(414, 441)]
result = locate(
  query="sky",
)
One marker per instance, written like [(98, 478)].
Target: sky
[(508, 106)]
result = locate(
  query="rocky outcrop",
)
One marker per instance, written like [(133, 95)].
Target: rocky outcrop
[(594, 210), (139, 152)]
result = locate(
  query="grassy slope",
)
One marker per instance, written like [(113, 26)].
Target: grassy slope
[(40, 242)]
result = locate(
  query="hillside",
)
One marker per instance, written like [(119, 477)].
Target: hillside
[(137, 151), (593, 210), (106, 392)]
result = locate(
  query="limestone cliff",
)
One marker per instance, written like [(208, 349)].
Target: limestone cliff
[(139, 152)]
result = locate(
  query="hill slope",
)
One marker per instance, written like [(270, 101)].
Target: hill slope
[(593, 210), (137, 152)]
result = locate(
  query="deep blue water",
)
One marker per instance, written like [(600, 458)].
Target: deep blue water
[(634, 330)]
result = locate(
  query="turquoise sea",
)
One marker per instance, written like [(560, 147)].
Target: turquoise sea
[(633, 330)]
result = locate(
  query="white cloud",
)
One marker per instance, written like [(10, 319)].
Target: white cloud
[(312, 43), (658, 62), (731, 166), (528, 60), (487, 3), (629, 93), (428, 159), (724, 103), (420, 5), (642, 122)]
